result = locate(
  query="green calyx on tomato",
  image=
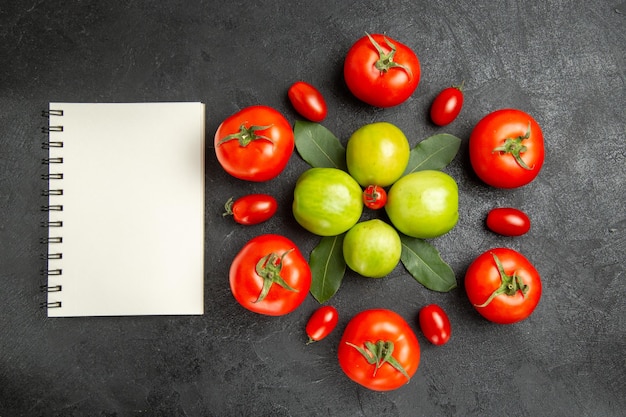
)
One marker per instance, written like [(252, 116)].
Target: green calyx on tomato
[(378, 354), (385, 60), (511, 284), (269, 268), (515, 147), (246, 135)]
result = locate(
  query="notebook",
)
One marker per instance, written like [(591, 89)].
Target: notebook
[(125, 204)]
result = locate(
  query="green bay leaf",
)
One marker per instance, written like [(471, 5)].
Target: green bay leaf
[(435, 152), (327, 267), (318, 146), (424, 263)]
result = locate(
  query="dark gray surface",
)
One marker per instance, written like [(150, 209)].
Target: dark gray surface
[(561, 61)]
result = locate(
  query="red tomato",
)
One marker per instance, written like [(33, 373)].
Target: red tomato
[(270, 276), (435, 324), (447, 105), (381, 71), (254, 144), (321, 323), (508, 221), (379, 350), (506, 148), (307, 101), (374, 197), (503, 285), (251, 209)]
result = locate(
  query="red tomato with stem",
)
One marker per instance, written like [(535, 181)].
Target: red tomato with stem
[(308, 101), (447, 105), (506, 148), (251, 209), (321, 323), (503, 286), (435, 324), (379, 350), (381, 71), (508, 221), (374, 197), (254, 144), (270, 275)]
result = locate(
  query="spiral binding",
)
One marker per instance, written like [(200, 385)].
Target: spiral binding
[(49, 241)]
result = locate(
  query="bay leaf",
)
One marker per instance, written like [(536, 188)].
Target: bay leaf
[(435, 152), (318, 146), (425, 264), (327, 267)]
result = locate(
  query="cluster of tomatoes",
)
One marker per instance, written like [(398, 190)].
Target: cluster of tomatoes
[(271, 276)]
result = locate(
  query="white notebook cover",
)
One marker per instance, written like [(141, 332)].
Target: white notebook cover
[(132, 209)]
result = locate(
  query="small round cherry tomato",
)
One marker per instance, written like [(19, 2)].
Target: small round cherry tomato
[(251, 209), (321, 323), (503, 286), (508, 221), (374, 197), (307, 101), (435, 324), (447, 105)]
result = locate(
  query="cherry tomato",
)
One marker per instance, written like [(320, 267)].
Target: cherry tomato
[(321, 323), (381, 71), (435, 324), (379, 350), (254, 144), (508, 221), (251, 209), (447, 105), (374, 197), (270, 275), (506, 148), (307, 101), (503, 286)]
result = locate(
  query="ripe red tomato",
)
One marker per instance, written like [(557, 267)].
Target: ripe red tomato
[(447, 105), (321, 323), (380, 71), (254, 144), (374, 197), (503, 285), (379, 350), (308, 101), (506, 148), (508, 221), (251, 209), (270, 275), (435, 324)]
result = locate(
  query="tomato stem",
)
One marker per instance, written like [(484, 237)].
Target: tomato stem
[(228, 207), (246, 135), (269, 268), (379, 353), (515, 147), (510, 285), (385, 59)]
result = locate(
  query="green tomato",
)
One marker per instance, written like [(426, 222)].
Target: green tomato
[(327, 201), (377, 154), (372, 248), (424, 204)]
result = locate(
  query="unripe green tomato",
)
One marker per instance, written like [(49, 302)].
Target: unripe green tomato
[(372, 248), (377, 154), (424, 204), (327, 201)]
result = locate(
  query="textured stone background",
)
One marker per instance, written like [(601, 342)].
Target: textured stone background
[(561, 61)]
